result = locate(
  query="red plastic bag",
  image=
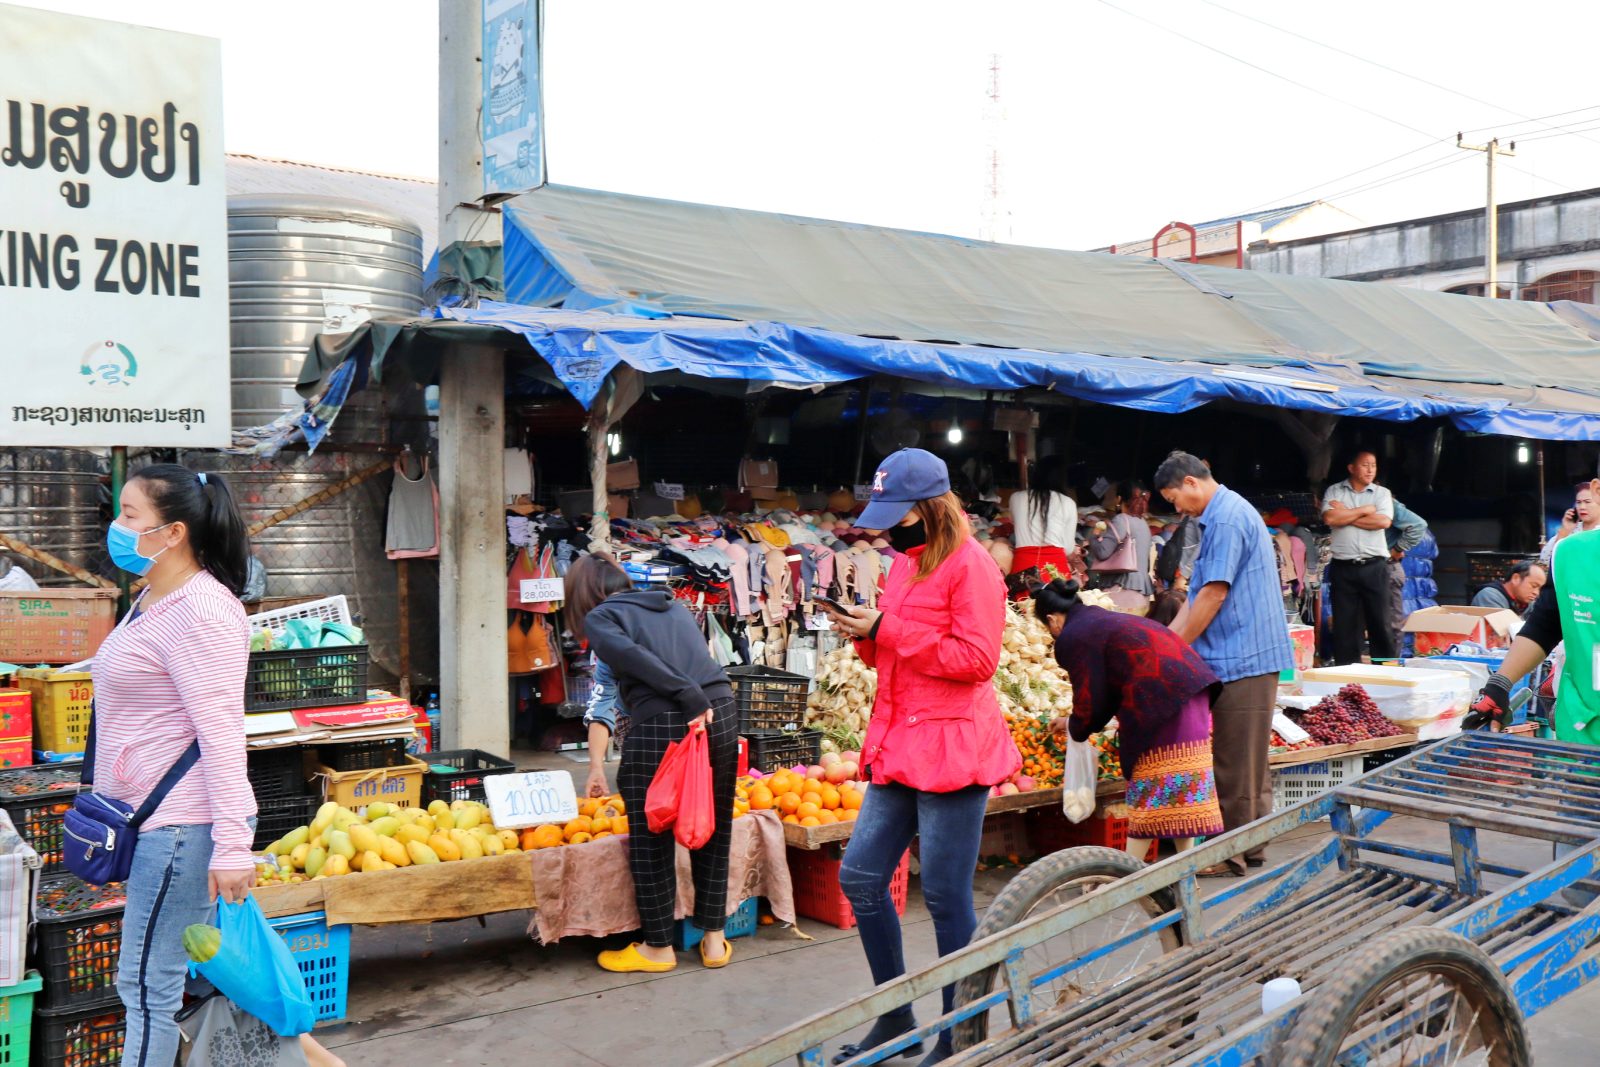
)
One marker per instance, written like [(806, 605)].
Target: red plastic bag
[(697, 807), (661, 799)]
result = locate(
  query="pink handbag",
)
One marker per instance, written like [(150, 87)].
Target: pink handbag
[(1124, 559)]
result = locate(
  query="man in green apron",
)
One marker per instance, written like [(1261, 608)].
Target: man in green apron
[(1568, 609)]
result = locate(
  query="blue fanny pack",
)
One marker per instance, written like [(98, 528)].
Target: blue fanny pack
[(100, 832)]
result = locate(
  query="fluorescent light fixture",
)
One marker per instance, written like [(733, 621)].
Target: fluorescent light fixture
[(614, 442), (1522, 453), (1243, 375), (954, 436)]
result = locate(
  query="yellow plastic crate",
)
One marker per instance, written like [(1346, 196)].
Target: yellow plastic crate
[(61, 703)]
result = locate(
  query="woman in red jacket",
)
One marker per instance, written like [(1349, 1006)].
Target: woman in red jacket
[(937, 742)]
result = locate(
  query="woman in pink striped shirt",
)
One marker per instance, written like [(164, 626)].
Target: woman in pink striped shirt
[(171, 674)]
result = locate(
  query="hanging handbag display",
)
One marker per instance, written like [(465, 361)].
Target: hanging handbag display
[(100, 832)]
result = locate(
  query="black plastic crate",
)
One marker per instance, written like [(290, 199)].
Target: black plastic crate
[(775, 750), (36, 798), (459, 773), (371, 755), (769, 699), (306, 678), (276, 772), (78, 1037), (79, 931), (276, 816)]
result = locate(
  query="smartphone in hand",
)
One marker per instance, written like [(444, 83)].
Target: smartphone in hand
[(833, 605)]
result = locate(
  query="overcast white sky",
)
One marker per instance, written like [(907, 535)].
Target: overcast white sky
[(875, 111)]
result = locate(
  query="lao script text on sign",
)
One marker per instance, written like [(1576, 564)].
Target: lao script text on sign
[(115, 252), (531, 798), (669, 490), (542, 590)]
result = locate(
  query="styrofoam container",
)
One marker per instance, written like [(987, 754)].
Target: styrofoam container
[(1408, 697)]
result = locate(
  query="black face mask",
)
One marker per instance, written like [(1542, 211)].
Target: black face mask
[(905, 538)]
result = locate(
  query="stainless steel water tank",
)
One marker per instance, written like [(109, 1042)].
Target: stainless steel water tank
[(299, 266), (51, 499)]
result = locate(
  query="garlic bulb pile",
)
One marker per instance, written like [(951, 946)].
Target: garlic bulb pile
[(1029, 681), (841, 703)]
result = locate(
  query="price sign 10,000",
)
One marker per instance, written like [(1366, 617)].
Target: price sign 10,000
[(531, 798)]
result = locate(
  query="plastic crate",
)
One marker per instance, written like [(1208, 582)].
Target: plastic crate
[(769, 699), (306, 678), (774, 750), (16, 1019), (1373, 761), (815, 874), (35, 799), (364, 755), (328, 609), (55, 625), (1291, 785), (742, 923), (459, 773), (276, 816), (78, 1037), (62, 701), (322, 953), (79, 932), (1049, 830), (276, 772)]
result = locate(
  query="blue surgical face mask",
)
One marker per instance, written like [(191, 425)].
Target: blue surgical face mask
[(123, 544)]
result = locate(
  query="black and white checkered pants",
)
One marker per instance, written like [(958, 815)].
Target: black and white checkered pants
[(651, 856)]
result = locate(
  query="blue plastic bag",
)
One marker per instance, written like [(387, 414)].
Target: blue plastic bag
[(255, 970)]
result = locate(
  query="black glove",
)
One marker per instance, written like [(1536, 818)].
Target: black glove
[(1493, 704)]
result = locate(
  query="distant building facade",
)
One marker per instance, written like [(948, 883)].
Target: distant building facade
[(1226, 242)]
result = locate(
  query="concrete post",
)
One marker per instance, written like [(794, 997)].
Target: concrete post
[(472, 572), (472, 620)]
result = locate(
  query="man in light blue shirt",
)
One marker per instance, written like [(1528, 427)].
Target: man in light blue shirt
[(1236, 623)]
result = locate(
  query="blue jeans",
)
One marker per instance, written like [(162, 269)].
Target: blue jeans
[(951, 826), (167, 891)]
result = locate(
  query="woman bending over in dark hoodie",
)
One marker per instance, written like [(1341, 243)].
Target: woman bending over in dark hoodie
[(670, 685)]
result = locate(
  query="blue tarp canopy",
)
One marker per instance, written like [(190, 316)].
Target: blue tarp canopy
[(600, 279)]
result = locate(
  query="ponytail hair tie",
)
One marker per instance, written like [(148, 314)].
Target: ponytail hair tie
[(201, 478)]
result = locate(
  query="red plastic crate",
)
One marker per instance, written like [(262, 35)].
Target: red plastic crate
[(815, 874), (1051, 831)]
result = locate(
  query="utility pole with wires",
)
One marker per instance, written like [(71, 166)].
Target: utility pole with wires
[(1491, 214)]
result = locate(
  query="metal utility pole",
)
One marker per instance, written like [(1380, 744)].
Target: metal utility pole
[(1491, 214)]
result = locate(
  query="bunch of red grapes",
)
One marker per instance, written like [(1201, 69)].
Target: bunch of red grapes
[(1347, 717)]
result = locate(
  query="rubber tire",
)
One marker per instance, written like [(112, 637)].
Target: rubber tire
[(1026, 890), (1337, 1002)]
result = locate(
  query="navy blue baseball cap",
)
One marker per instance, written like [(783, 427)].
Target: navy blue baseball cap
[(910, 475)]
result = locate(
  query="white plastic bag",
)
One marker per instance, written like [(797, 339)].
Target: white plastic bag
[(1078, 778)]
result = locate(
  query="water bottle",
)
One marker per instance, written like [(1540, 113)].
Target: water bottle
[(432, 711), (1278, 992)]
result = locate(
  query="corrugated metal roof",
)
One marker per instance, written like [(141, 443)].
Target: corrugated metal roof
[(412, 198), (1268, 218)]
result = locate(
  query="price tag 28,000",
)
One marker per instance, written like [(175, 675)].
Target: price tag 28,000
[(531, 798)]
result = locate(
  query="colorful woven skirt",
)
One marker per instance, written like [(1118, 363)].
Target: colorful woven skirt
[(1171, 792)]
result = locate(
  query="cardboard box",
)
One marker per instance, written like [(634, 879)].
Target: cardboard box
[(623, 475), (617, 505), (392, 785), (758, 473), (1410, 698), (1436, 629), (1304, 639), (16, 716)]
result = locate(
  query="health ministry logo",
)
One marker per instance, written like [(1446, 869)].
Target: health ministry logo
[(108, 363)]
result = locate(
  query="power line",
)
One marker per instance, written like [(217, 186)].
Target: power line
[(1405, 175), (1265, 70), (1289, 197), (1384, 66), (1540, 118)]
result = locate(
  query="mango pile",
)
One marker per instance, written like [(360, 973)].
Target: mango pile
[(340, 842)]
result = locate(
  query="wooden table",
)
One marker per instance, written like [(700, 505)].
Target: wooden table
[(814, 837), (1298, 756), (415, 894)]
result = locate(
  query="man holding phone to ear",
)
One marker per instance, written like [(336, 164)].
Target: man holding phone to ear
[(1582, 517)]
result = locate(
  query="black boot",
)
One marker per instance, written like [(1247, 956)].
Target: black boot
[(887, 1028), (943, 1049)]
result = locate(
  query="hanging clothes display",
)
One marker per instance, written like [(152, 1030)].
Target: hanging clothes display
[(413, 527), (529, 647)]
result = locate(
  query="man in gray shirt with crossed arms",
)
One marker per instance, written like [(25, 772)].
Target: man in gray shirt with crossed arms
[(1359, 511)]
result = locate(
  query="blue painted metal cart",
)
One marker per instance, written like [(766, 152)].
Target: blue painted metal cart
[(1406, 954)]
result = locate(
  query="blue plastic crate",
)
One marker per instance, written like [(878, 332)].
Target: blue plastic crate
[(322, 953), (742, 923)]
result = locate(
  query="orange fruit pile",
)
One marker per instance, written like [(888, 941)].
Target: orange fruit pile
[(804, 800), (598, 818), (1041, 756)]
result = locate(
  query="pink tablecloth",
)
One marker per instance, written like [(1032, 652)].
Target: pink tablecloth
[(586, 890)]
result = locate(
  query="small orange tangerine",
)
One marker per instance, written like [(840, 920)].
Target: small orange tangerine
[(602, 833), (811, 796), (850, 814), (830, 797), (580, 838), (580, 825), (619, 825), (825, 817), (850, 799), (761, 798), (792, 818), (807, 810), (589, 807), (599, 824), (810, 820), (788, 803)]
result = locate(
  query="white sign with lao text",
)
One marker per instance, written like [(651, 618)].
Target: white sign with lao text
[(113, 235), (542, 590), (669, 490), (531, 798)]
